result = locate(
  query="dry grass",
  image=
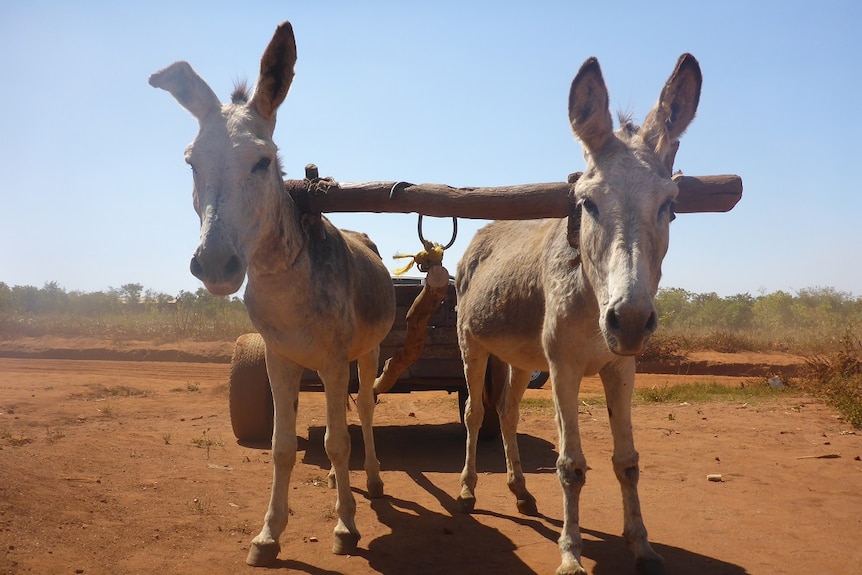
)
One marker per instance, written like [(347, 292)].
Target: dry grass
[(143, 326), (706, 392), (206, 441), (14, 440), (101, 392), (837, 377)]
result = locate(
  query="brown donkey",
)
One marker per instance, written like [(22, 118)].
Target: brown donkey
[(318, 302), (575, 297)]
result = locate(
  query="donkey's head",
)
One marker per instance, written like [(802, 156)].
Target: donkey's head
[(234, 160), (624, 200)]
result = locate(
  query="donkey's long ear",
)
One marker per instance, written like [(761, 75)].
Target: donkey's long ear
[(276, 72), (675, 108), (588, 107), (188, 88)]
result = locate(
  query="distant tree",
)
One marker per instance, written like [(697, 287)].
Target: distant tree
[(738, 311), (774, 310), (673, 305), (53, 298), (6, 302), (26, 298), (93, 303), (828, 299), (154, 297), (132, 293)]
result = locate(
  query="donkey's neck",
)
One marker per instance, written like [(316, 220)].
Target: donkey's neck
[(566, 264), (279, 277), (281, 248)]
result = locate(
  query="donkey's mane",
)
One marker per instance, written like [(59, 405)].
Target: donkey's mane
[(627, 124), (240, 94)]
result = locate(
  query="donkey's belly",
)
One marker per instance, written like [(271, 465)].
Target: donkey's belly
[(512, 341)]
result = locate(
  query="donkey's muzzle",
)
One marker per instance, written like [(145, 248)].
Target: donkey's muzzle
[(627, 327), (222, 273)]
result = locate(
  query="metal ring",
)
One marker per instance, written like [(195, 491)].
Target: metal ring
[(397, 187), (454, 232)]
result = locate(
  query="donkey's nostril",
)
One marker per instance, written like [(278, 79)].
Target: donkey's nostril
[(232, 267), (195, 268), (613, 322), (652, 323), (216, 269)]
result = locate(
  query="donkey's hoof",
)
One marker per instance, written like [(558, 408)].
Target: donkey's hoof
[(263, 554), (527, 506), (375, 489), (571, 568), (466, 503), (649, 566), (344, 543)]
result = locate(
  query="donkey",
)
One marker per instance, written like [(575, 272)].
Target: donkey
[(576, 297), (319, 302)]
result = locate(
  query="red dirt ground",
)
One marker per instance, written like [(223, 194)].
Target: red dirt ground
[(93, 481)]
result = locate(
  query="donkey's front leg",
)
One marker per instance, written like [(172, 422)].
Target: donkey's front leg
[(509, 409), (335, 378), (571, 464), (367, 366), (284, 379), (618, 379)]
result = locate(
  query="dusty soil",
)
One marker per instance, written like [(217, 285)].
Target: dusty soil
[(128, 467)]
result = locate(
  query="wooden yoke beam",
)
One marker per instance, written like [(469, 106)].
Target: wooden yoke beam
[(521, 202)]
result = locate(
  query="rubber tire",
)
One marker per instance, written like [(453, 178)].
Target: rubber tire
[(250, 397), (538, 379)]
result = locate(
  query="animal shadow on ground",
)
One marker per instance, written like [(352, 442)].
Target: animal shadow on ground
[(416, 530), (612, 557), (432, 543), (293, 566), (437, 448)]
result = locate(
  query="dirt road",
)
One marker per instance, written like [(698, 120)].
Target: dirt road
[(131, 467)]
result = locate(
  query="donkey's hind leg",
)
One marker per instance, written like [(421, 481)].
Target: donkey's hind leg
[(509, 410), (475, 364), (367, 365)]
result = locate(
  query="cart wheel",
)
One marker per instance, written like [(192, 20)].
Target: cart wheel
[(495, 380), (538, 379), (251, 409)]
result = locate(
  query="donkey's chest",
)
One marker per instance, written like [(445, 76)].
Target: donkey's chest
[(314, 331), (301, 327)]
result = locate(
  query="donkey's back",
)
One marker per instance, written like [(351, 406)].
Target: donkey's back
[(348, 263), (501, 291)]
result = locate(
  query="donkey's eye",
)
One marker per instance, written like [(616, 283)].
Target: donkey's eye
[(261, 166), (590, 207), (667, 208)]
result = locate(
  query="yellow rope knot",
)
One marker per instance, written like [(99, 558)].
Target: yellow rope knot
[(431, 256)]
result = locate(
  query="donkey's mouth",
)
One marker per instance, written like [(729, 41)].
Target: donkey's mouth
[(222, 289), (226, 280), (627, 349)]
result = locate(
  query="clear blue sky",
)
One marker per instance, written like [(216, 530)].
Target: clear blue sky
[(94, 192)]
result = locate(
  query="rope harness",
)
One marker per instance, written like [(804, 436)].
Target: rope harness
[(431, 254)]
